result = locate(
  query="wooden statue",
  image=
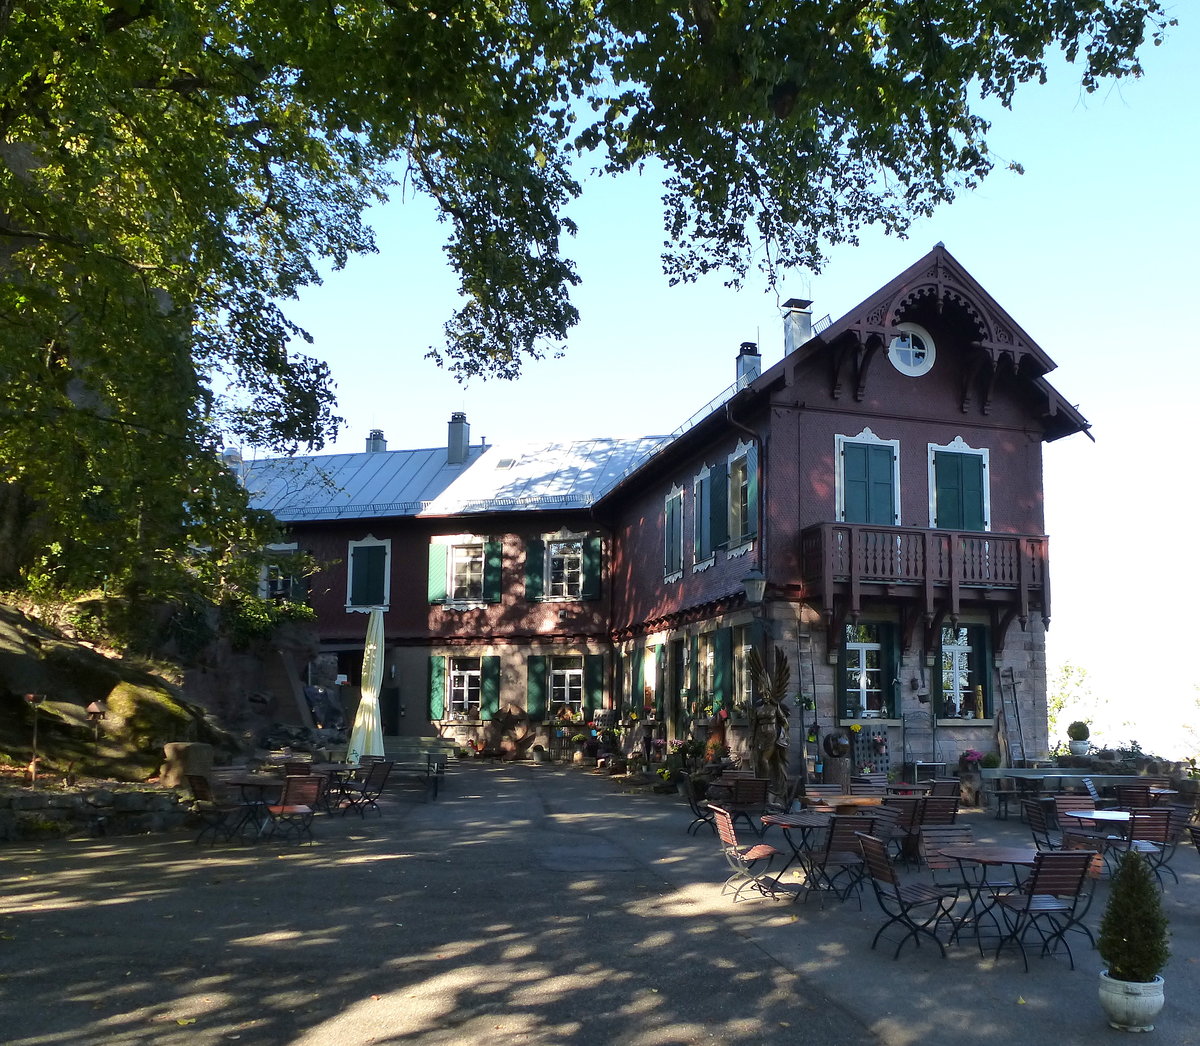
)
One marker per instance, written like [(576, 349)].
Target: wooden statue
[(769, 734)]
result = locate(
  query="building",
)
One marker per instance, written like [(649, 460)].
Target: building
[(871, 505)]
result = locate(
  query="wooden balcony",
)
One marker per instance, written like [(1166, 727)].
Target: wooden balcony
[(937, 569)]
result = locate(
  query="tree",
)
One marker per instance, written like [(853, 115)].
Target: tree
[(173, 171)]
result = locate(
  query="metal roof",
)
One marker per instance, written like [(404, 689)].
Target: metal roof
[(506, 477)]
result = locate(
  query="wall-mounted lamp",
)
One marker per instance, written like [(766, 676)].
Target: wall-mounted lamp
[(96, 711), (755, 585)]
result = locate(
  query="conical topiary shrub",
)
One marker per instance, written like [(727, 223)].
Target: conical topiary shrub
[(1133, 932)]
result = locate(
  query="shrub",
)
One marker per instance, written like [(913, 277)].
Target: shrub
[(1133, 932), (1079, 731)]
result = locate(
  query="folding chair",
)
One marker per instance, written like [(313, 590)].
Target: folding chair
[(745, 862), (748, 801), (1072, 828), (702, 814), (1044, 834), (292, 816), (945, 786), (219, 817), (1098, 801), (837, 866), (1046, 902), (907, 810), (939, 809), (1133, 796), (901, 903), (931, 840), (364, 795), (1150, 835)]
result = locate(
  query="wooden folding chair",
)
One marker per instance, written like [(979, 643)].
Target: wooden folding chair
[(220, 818), (701, 812), (750, 866), (293, 814), (1133, 796), (748, 801), (939, 809), (836, 867), (1150, 835), (917, 907), (1045, 836), (1046, 902), (364, 795), (1072, 828)]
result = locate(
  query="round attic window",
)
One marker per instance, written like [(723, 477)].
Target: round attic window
[(912, 351)]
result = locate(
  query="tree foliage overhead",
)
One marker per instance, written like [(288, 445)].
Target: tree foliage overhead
[(173, 171)]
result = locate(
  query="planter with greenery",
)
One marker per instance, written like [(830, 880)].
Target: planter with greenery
[(1078, 733), (1133, 941)]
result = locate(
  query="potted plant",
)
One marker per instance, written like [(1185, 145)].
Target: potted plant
[(1133, 941), (1078, 733)]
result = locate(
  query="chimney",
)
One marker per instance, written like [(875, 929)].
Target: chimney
[(375, 441), (459, 442), (797, 324), (749, 363)]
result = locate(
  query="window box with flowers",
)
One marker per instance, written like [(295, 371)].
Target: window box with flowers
[(968, 761)]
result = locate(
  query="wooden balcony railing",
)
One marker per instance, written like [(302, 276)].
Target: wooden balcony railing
[(940, 565)]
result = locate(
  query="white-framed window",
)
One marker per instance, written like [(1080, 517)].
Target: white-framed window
[(959, 487), (866, 671), (277, 579), (703, 555), (743, 683), (673, 535), (912, 351), (466, 687), (564, 568), (368, 577), (964, 680), (566, 684), (466, 572), (867, 479), (705, 672), (743, 497)]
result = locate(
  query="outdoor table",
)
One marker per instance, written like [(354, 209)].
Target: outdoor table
[(1099, 816), (986, 857), (804, 824), (253, 791), (1159, 794), (909, 788), (841, 804)]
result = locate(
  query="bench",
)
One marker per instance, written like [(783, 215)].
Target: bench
[(419, 764)]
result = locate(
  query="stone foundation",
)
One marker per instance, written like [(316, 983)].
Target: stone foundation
[(30, 814)]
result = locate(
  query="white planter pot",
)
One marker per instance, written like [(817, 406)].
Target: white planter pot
[(1078, 747), (1131, 1005)]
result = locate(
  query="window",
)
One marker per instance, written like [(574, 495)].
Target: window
[(463, 687), (714, 670), (958, 487), (868, 479), (912, 351), (466, 687), (368, 582), (867, 672), (705, 651), (564, 569), (702, 529), (466, 572), (562, 566), (673, 536), (743, 684), (279, 578), (743, 495), (464, 569), (566, 685), (963, 680)]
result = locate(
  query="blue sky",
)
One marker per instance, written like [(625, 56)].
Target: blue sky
[(1091, 250)]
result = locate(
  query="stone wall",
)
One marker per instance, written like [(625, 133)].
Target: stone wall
[(27, 814)]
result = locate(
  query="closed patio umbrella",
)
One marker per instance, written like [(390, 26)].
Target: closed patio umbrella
[(367, 736)]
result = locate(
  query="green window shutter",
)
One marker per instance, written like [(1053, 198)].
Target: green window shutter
[(618, 681), (889, 662), (437, 573), (592, 566), (659, 676), (702, 519), (958, 491), (637, 700), (980, 638), (535, 691), (593, 682), (718, 515), (489, 687), (535, 569), (752, 493), (672, 535), (868, 484), (722, 668), (437, 687), (693, 672), (491, 570), (367, 565)]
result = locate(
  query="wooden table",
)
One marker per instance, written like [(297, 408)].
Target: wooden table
[(804, 824), (841, 804)]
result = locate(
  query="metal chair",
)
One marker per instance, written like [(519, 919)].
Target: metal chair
[(702, 813), (945, 786), (917, 907), (1133, 796), (1072, 828), (748, 801), (364, 795), (1044, 834), (837, 866), (746, 863), (939, 809), (1046, 902), (1098, 801), (219, 817), (1150, 834), (293, 814)]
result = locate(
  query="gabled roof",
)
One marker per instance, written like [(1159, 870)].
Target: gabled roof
[(509, 477)]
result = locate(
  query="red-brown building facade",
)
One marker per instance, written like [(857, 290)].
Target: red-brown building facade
[(882, 483)]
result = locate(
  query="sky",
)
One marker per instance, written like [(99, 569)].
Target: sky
[(1092, 250)]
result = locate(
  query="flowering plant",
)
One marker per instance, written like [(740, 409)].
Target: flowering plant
[(633, 715), (855, 728), (579, 738), (675, 747), (659, 744), (972, 755)]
